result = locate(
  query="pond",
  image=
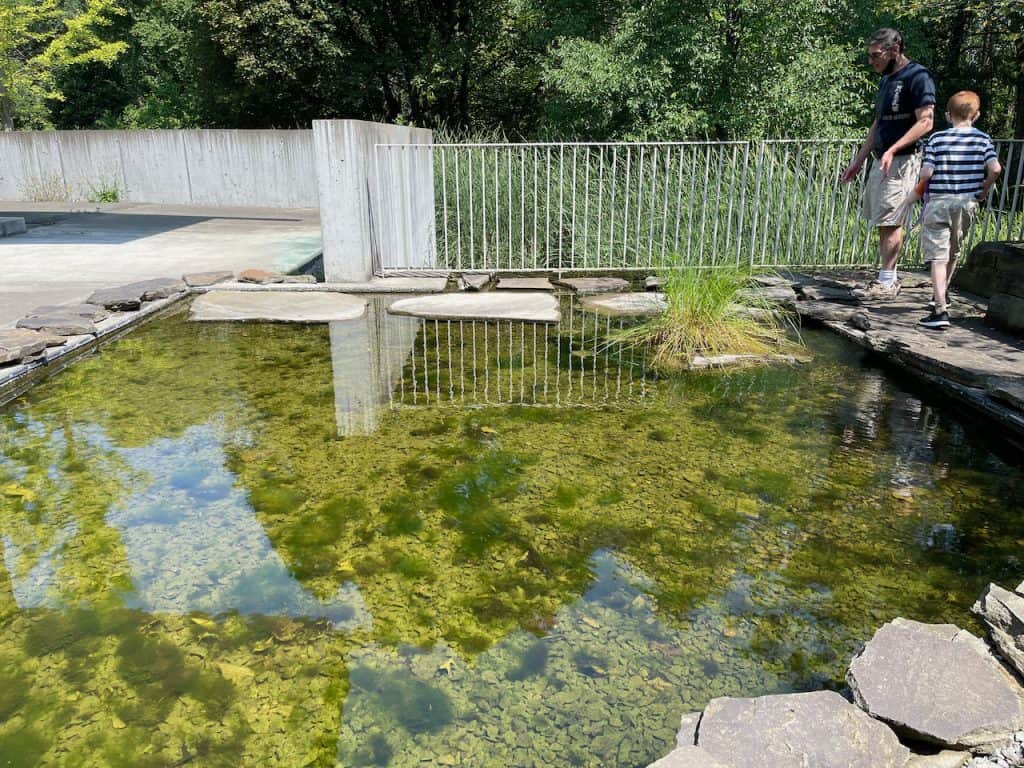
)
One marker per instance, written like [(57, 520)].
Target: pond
[(395, 543)]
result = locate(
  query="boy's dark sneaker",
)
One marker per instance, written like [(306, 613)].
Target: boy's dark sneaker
[(935, 320)]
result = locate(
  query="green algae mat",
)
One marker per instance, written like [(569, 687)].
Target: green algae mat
[(394, 543)]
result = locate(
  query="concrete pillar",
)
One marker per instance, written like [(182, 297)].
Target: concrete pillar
[(376, 204)]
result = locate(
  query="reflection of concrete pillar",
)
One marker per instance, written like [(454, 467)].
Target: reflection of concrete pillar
[(374, 210), (367, 356)]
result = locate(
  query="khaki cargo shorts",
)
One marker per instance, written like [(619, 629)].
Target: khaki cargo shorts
[(883, 195), (944, 225)]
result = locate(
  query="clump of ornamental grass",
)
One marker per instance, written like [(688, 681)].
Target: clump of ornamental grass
[(711, 312)]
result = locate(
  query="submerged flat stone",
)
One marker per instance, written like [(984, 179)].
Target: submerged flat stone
[(527, 307), (59, 324), (1003, 613), (689, 757), (936, 683), (201, 279), (89, 311), (524, 284), (16, 344), (796, 730), (278, 307), (626, 304), (587, 286)]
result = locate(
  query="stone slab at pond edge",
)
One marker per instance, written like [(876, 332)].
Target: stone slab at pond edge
[(626, 304), (276, 307), (1003, 614), (587, 286), (200, 279), (128, 298), (19, 343), (526, 307), (59, 324), (524, 284), (89, 311), (796, 730), (936, 683)]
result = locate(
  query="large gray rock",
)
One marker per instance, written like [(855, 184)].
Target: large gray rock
[(686, 736), (587, 286), (797, 730), (279, 307), (17, 344), (59, 325), (936, 683), (527, 307), (202, 279), (1006, 311), (88, 311), (626, 304), (128, 298), (690, 757), (1003, 613), (474, 281)]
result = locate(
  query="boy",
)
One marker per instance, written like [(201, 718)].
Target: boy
[(958, 169)]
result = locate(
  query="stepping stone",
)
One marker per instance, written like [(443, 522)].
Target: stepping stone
[(937, 683), (825, 293), (305, 279), (393, 285), (527, 307), (88, 311), (795, 730), (587, 286), (626, 304), (59, 325), (524, 284), (128, 298), (19, 343), (12, 225), (202, 279), (261, 276), (825, 311), (689, 757), (278, 307), (700, 362), (474, 281), (1003, 613)]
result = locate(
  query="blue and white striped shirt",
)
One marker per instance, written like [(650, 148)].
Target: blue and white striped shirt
[(958, 157)]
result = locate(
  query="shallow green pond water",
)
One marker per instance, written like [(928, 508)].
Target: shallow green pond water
[(387, 544)]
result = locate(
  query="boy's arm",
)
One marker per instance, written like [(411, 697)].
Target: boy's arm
[(992, 171), (862, 154)]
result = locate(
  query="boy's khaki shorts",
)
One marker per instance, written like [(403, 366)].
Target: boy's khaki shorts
[(944, 225), (884, 194)]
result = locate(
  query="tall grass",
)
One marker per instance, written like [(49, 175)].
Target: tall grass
[(710, 313)]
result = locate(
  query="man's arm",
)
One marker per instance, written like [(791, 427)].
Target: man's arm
[(862, 154), (925, 119)]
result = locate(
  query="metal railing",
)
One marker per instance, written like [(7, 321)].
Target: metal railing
[(624, 206)]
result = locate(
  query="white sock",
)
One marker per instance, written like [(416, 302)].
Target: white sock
[(887, 276)]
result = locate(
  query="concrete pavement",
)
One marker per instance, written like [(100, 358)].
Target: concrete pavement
[(71, 249)]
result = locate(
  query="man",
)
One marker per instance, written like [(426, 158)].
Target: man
[(904, 112)]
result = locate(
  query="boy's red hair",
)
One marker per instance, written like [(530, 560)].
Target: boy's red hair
[(963, 105)]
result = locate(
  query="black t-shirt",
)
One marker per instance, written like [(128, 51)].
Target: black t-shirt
[(899, 95)]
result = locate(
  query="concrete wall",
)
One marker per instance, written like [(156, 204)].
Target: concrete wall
[(261, 168), (376, 206)]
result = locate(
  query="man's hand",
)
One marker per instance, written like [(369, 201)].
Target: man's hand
[(851, 172), (885, 161)]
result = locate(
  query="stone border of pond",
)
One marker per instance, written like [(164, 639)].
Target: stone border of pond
[(919, 696)]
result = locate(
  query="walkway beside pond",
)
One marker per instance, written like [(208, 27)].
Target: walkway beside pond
[(72, 249), (969, 361)]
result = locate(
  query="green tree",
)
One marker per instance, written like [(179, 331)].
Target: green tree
[(38, 40)]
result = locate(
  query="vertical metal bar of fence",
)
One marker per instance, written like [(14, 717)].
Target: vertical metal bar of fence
[(704, 208), (536, 206), (679, 199), (758, 174), (625, 221), (689, 224), (497, 211), (651, 208), (469, 194), (600, 204), (845, 220), (778, 209), (511, 220), (586, 211), (572, 231), (1004, 192), (743, 200), (831, 178), (639, 204), (522, 206), (483, 207), (1018, 181), (547, 210), (664, 207), (561, 198), (808, 201), (792, 229), (611, 206), (718, 203), (444, 205)]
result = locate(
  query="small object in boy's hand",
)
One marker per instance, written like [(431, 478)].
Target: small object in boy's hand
[(921, 187)]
